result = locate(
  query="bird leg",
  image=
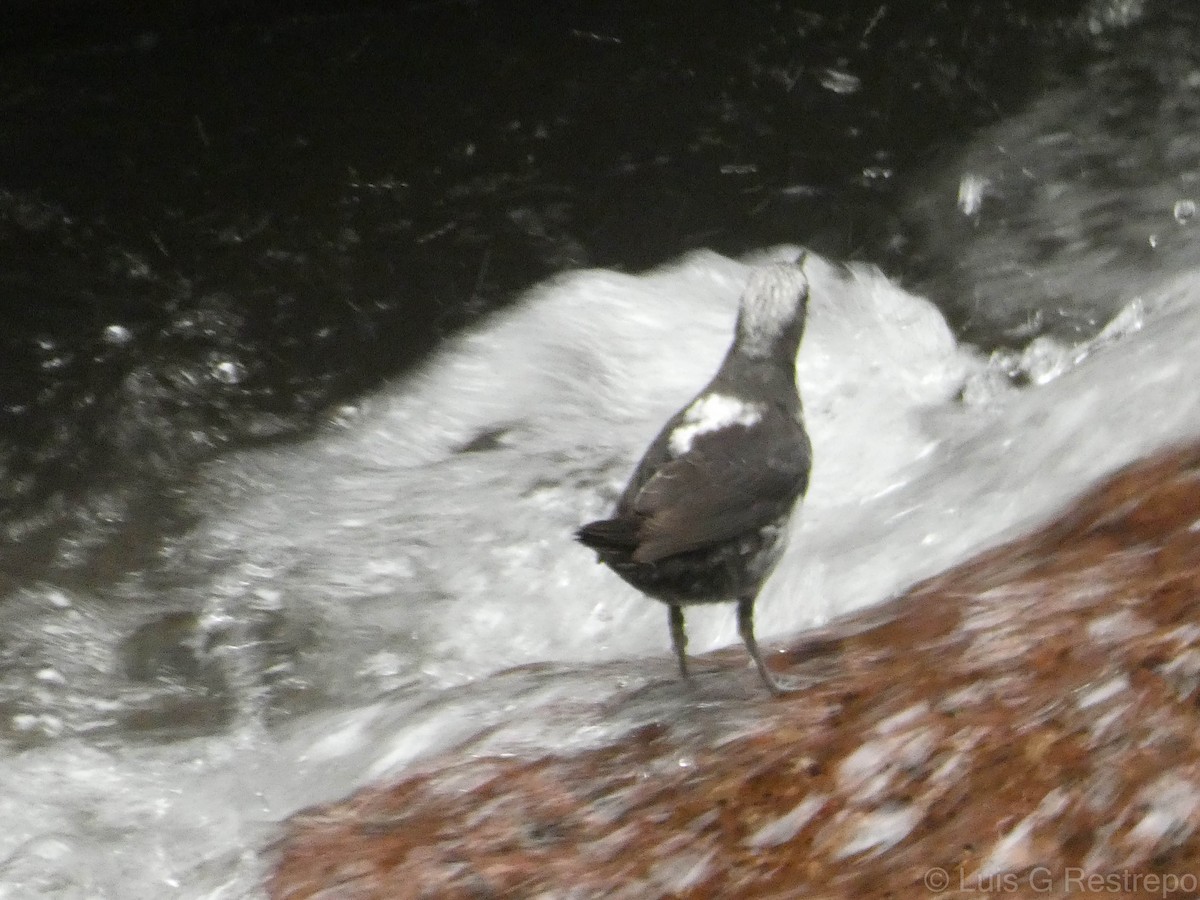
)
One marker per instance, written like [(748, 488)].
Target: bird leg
[(745, 619), (678, 637)]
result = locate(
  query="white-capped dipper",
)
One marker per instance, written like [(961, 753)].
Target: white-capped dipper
[(704, 516)]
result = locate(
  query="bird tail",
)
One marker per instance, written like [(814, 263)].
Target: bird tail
[(609, 534)]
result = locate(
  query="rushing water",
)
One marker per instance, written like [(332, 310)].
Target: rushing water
[(394, 563), (270, 626)]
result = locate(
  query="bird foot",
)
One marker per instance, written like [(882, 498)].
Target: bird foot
[(782, 686)]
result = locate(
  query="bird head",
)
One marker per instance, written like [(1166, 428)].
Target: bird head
[(773, 307)]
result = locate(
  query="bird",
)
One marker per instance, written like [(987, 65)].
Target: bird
[(704, 516)]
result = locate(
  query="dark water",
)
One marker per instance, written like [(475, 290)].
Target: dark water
[(218, 222)]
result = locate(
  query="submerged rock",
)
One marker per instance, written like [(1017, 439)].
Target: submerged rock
[(1024, 725)]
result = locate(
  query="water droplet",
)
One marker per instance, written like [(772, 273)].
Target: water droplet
[(117, 335)]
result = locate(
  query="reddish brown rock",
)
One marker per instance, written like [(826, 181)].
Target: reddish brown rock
[(1025, 725)]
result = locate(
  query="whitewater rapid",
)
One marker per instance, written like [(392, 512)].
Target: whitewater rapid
[(423, 542)]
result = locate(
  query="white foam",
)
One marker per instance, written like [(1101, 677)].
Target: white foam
[(578, 379), (466, 560)]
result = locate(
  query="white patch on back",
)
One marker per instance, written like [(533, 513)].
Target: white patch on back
[(712, 412)]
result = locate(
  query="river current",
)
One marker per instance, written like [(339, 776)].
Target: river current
[(255, 558)]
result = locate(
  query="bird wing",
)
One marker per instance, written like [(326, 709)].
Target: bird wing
[(732, 481)]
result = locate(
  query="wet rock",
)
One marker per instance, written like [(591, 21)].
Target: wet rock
[(1024, 725)]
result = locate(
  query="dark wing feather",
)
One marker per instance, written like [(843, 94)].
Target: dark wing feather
[(730, 482)]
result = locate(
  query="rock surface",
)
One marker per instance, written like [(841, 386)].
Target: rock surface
[(1024, 725)]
